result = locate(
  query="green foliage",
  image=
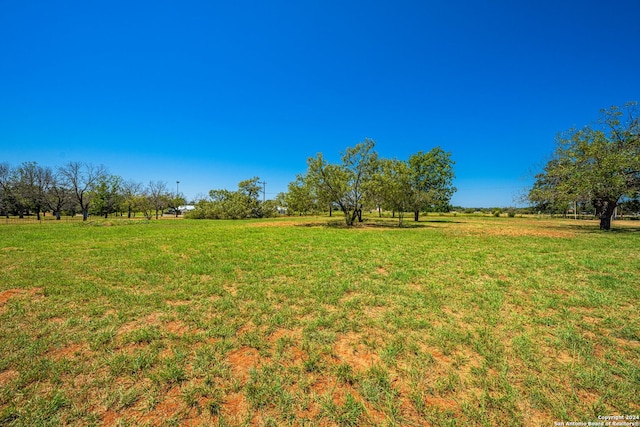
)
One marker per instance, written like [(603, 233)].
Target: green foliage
[(431, 179), (240, 204), (393, 186), (345, 184), (598, 164), (362, 179)]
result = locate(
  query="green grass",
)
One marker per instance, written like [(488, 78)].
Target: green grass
[(451, 321)]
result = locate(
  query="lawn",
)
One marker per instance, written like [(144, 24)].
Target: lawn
[(294, 321)]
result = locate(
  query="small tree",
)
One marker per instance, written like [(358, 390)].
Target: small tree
[(395, 186), (345, 184), (598, 163), (57, 196), (174, 202), (300, 198), (107, 195), (158, 194), (131, 190)]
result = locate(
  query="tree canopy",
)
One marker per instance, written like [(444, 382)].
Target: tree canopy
[(599, 164), (364, 179)]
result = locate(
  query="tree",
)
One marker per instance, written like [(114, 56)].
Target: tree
[(598, 163), (30, 186), (81, 179), (249, 197), (158, 194), (345, 184), (431, 179), (394, 186), (5, 188), (142, 203), (300, 198), (174, 202), (240, 204), (131, 190), (57, 196), (107, 195)]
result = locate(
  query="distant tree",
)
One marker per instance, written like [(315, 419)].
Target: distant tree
[(431, 179), (107, 195), (394, 187), (174, 201), (5, 189), (142, 203), (345, 184), (57, 197), (131, 190), (158, 194), (242, 203), (81, 179), (249, 197), (300, 198), (598, 163)]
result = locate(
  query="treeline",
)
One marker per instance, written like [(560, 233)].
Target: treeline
[(31, 189), (361, 182)]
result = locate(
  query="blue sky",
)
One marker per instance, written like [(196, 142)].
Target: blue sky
[(211, 93)]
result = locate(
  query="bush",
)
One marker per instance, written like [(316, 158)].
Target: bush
[(496, 212)]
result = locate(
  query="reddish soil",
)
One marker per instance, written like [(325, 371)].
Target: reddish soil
[(349, 350), (242, 360)]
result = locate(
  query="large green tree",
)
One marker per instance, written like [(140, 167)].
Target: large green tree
[(345, 184), (431, 180), (598, 163)]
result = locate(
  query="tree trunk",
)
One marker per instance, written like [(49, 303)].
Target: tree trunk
[(416, 215), (330, 211), (57, 213), (85, 213), (604, 210)]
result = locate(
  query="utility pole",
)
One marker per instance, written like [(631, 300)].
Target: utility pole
[(264, 190)]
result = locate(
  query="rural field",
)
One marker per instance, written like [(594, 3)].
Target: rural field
[(455, 320)]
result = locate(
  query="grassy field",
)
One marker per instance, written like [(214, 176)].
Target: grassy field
[(450, 321)]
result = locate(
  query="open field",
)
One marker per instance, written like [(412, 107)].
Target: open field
[(451, 321)]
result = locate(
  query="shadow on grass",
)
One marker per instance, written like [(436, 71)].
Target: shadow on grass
[(374, 223), (593, 227)]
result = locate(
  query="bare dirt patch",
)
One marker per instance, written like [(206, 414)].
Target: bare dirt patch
[(235, 405), (5, 296), (69, 352), (349, 349), (176, 327), (242, 360), (7, 376)]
